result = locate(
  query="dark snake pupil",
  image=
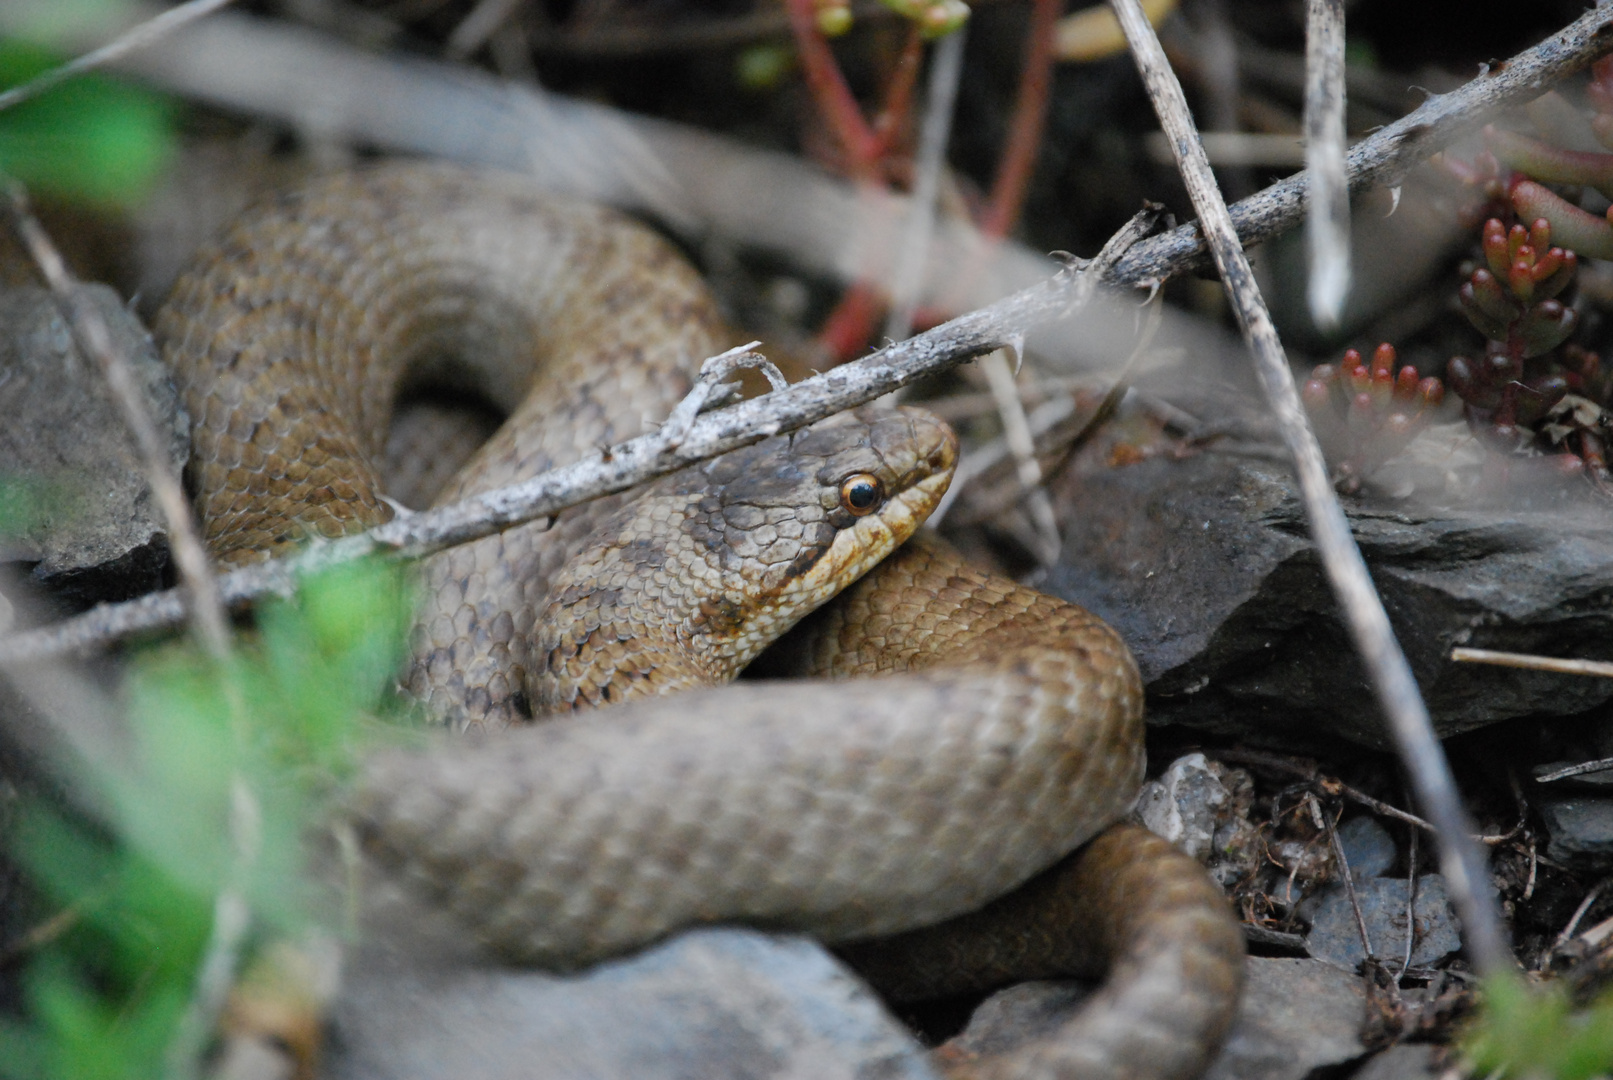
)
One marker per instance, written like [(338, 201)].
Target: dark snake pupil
[(861, 495)]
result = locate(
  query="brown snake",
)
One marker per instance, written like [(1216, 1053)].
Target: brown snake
[(970, 735)]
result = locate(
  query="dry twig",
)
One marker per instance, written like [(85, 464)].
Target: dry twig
[(698, 181), (1346, 570), (95, 339), (1386, 156), (946, 72), (1327, 226), (136, 38), (1601, 668), (616, 469), (232, 916)]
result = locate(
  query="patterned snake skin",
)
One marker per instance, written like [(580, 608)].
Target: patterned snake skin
[(965, 735)]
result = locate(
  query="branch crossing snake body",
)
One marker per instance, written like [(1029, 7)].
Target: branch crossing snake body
[(963, 735)]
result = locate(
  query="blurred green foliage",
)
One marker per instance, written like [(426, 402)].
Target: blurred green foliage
[(282, 721), (92, 139), (1536, 1032)]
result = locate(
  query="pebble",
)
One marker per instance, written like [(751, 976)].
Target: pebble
[(1368, 847), (1336, 937), (1202, 807)]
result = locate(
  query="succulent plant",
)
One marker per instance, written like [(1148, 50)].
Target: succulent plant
[(1365, 412)]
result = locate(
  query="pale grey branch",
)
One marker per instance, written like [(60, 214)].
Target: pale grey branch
[(1398, 694)]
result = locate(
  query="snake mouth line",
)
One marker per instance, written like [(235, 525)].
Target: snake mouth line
[(857, 549)]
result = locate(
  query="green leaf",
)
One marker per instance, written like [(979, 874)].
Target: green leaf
[(91, 139), (1524, 1031), (268, 730)]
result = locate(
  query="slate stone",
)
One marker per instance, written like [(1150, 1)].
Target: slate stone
[(98, 535), (1336, 938), (1581, 830), (1296, 1016), (716, 1004), (1368, 847), (1206, 568)]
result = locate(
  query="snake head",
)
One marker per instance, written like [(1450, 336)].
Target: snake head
[(688, 583)]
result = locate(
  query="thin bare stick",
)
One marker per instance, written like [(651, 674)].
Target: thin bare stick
[(474, 30), (1411, 904), (1591, 897), (698, 181), (139, 37), (93, 336), (615, 469), (1326, 823), (232, 914), (1327, 226), (1374, 638), (946, 71), (1387, 155), (1532, 662), (1021, 444), (1599, 765), (1327, 783)]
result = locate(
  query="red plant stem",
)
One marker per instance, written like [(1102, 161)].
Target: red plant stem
[(899, 92), (850, 326), (829, 89), (1025, 131)]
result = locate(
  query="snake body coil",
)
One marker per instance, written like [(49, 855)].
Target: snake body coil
[(969, 734)]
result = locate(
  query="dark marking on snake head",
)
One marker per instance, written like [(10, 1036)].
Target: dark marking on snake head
[(720, 616), (803, 562)]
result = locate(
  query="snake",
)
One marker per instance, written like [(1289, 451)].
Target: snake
[(934, 795)]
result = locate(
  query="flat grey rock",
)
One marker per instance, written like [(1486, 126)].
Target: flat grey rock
[(1581, 830), (1336, 937), (1206, 568), (1297, 1015), (707, 1005), (98, 535), (1014, 1016)]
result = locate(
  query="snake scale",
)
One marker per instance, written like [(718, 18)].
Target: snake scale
[(963, 734)]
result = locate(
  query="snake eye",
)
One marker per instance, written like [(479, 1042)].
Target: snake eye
[(860, 493)]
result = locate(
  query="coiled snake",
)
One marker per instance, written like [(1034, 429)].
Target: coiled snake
[(969, 733)]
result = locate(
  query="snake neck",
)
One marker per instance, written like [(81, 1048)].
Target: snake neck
[(688, 583)]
